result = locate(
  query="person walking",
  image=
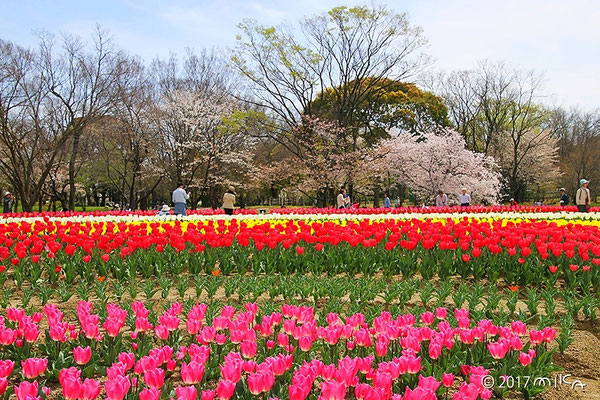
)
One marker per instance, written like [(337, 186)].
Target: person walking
[(464, 198), (229, 200), (386, 201), (583, 198), (441, 200), (180, 198), (564, 197), (8, 203)]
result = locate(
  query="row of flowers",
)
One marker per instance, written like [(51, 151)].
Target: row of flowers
[(522, 253), (535, 212), (185, 355)]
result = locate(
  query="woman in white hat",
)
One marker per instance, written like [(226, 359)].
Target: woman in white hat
[(583, 198), (165, 210), (229, 200)]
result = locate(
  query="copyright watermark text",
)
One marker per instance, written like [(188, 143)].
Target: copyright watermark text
[(525, 381)]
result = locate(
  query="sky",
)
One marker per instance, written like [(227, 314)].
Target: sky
[(560, 39)]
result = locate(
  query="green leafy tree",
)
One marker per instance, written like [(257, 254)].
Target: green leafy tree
[(387, 104)]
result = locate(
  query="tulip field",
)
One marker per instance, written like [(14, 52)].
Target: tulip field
[(373, 304)]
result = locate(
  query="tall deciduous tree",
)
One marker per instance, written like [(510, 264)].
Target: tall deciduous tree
[(578, 135), (351, 52), (496, 108), (390, 104), (81, 82)]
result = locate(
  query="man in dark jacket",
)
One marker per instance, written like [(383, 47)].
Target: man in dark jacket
[(8, 203), (564, 197)]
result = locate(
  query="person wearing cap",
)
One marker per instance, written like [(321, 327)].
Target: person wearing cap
[(583, 197), (564, 197), (441, 200), (180, 197), (229, 200), (464, 198), (8, 203), (165, 210), (512, 202)]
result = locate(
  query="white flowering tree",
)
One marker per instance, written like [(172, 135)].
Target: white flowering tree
[(432, 162), (198, 149)]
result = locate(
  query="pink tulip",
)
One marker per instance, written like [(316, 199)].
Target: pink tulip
[(525, 359), (31, 333), (429, 383), (419, 394), (186, 393), (248, 348), (117, 387), (447, 379), (90, 389), (549, 334), (208, 395), (231, 371), (518, 327), (34, 367), (256, 383), (155, 378), (427, 318), (381, 348), (299, 391), (3, 385), (6, 368), (536, 337), (26, 389), (71, 388), (441, 313), (128, 359), (498, 349), (150, 394), (221, 339), (161, 332), (332, 390), (225, 389), (192, 373), (82, 355)]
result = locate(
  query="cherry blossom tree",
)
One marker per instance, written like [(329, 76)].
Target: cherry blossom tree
[(433, 162), (197, 148)]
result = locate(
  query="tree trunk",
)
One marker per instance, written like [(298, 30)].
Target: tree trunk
[(376, 193), (73, 159)]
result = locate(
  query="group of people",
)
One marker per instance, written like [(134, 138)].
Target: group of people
[(441, 200), (582, 198), (180, 198)]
